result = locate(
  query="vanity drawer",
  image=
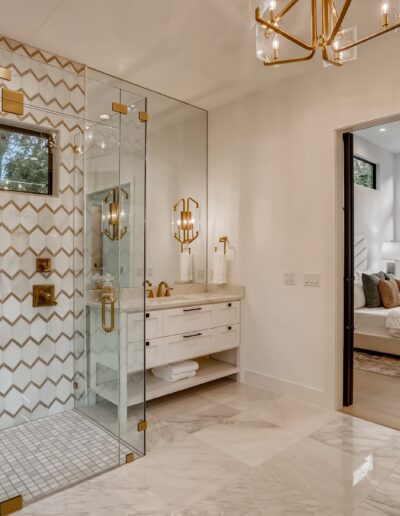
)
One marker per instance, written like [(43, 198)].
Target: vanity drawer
[(226, 313), (189, 319), (190, 345), (154, 326), (227, 337), (154, 355)]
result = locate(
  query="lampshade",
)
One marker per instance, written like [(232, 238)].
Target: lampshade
[(391, 251)]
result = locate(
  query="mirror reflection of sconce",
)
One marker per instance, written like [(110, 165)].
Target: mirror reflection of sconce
[(113, 214), (186, 221)]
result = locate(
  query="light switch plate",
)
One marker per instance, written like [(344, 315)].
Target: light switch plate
[(312, 279), (289, 278)]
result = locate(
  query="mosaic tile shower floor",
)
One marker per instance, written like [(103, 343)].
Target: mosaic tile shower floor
[(43, 456)]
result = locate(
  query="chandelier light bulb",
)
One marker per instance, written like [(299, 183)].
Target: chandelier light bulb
[(275, 43), (385, 7), (272, 5)]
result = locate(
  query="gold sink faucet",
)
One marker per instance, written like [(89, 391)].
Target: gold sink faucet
[(166, 293), (149, 291)]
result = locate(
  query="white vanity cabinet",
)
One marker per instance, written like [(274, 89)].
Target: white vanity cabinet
[(209, 333)]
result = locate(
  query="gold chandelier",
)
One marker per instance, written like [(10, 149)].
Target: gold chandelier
[(337, 44)]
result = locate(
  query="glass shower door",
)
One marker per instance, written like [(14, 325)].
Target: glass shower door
[(113, 357)]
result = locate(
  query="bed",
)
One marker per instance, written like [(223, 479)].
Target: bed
[(377, 329)]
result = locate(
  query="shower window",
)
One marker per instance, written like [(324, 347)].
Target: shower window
[(26, 160)]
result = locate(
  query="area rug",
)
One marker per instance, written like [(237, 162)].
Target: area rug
[(387, 366)]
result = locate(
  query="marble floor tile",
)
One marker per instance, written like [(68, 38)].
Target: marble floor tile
[(337, 479), (120, 492), (359, 437), (385, 499), (239, 396), (266, 490), (188, 470), (251, 440), (295, 415)]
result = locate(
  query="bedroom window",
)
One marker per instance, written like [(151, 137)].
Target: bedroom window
[(26, 160), (364, 172)]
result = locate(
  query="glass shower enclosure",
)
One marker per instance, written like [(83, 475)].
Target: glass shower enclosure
[(70, 362)]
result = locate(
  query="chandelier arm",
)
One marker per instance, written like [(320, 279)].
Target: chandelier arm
[(294, 60), (338, 23), (285, 10), (368, 38), (282, 32), (314, 22)]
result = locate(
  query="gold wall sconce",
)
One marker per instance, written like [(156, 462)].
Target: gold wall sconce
[(113, 214), (186, 221)]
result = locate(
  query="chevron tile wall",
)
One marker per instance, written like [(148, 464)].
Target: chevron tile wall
[(38, 346)]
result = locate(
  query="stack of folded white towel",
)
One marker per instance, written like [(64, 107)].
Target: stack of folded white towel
[(177, 371)]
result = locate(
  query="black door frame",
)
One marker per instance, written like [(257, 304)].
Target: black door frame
[(348, 277)]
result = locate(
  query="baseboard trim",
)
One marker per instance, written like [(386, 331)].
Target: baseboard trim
[(281, 386)]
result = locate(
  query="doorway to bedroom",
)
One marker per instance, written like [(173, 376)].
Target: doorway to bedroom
[(372, 274)]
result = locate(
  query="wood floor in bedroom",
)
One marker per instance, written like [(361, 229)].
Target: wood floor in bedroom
[(376, 399)]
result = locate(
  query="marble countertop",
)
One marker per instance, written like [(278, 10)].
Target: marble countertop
[(174, 301)]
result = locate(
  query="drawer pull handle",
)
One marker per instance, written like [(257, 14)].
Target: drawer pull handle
[(147, 343), (192, 309), (229, 328), (193, 335), (229, 305), (147, 316)]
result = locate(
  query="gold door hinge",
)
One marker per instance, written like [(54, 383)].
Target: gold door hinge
[(11, 505), (130, 457), (5, 74), (142, 426), (120, 108), (12, 101), (143, 116)]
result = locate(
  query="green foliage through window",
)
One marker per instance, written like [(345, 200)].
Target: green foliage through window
[(364, 173), (25, 160)]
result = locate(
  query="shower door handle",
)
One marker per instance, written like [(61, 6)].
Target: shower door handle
[(108, 300)]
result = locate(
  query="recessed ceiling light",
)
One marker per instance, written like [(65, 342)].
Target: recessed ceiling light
[(104, 117), (382, 130)]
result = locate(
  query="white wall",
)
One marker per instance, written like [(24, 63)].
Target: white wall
[(273, 191), (374, 209)]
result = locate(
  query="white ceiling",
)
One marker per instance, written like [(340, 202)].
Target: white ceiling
[(200, 51), (388, 139)]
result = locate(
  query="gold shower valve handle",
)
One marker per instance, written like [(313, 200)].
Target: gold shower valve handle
[(43, 295), (107, 299)]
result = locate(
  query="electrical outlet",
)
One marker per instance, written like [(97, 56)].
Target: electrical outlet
[(312, 279), (289, 278)]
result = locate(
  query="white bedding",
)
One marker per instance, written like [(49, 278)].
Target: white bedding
[(381, 322)]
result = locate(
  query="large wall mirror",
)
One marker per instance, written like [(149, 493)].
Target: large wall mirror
[(176, 184), (176, 192)]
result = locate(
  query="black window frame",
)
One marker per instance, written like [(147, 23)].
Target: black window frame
[(374, 167), (40, 133)]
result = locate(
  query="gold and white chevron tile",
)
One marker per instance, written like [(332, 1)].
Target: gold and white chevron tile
[(39, 347)]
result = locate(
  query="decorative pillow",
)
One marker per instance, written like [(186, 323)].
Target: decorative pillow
[(359, 296), (390, 293), (371, 289)]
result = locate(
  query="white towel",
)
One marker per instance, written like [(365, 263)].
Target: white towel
[(174, 377), (186, 266), (219, 268), (186, 366)]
